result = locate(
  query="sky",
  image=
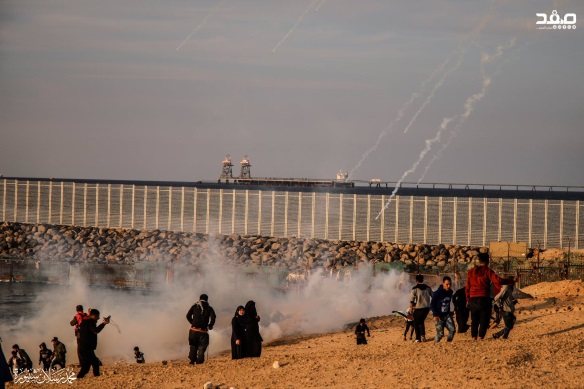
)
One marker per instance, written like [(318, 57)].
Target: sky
[(441, 91)]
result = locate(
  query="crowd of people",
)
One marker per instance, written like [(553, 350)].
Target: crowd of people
[(483, 291)]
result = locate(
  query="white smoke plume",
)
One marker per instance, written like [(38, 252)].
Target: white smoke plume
[(398, 117), (156, 320), (320, 5), (310, 6), (459, 52), (202, 24), (461, 118), (485, 59)]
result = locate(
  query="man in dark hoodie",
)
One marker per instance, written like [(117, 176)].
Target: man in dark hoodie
[(88, 343), (440, 306), (478, 295), (201, 317), (420, 298)]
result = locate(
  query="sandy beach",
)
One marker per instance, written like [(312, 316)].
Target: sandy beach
[(546, 349)]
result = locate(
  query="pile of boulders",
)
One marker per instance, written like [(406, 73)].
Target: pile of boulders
[(92, 244)]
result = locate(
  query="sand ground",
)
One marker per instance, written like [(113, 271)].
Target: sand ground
[(545, 350)]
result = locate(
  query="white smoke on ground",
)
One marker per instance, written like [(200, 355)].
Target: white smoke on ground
[(156, 320), (461, 118), (485, 59), (459, 52), (310, 6), (201, 25)]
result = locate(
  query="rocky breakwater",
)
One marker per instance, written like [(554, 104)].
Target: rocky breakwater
[(114, 245)]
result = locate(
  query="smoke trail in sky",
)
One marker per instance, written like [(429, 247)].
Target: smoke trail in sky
[(460, 50), (436, 87), (468, 109), (211, 12), (310, 6), (399, 115), (320, 5), (484, 60)]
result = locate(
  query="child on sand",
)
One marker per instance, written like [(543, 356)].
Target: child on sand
[(360, 332), (409, 324)]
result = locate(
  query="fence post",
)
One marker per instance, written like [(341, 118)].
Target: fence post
[(285, 213), (145, 203), (38, 202), (157, 205), (51, 200), (169, 208), (355, 216), (15, 200), (61, 204), (220, 211), (382, 227), (73, 204), (273, 210), (245, 228), (299, 214), (233, 213), (26, 202), (369, 216), (122, 206), (340, 216), (326, 219), (97, 204)]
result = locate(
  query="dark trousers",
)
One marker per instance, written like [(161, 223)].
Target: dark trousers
[(462, 320), (198, 343), (87, 359), (509, 320), (58, 361), (361, 339), (409, 324), (420, 315), (480, 315)]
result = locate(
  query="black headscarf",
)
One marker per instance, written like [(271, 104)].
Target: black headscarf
[(237, 310), (250, 309)]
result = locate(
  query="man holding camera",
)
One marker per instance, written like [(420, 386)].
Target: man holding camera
[(87, 343)]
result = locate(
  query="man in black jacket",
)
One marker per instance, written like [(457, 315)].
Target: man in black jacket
[(87, 343), (201, 317), (461, 310)]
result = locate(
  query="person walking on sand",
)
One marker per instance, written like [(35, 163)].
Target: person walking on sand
[(254, 338), (420, 298), (506, 304), (201, 317), (478, 295), (139, 355), (88, 343), (239, 336), (440, 306)]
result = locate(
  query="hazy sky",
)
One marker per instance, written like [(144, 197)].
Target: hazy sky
[(98, 89)]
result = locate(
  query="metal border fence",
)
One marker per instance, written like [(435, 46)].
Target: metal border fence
[(333, 214)]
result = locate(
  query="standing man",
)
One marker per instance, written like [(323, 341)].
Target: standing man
[(440, 306), (478, 295), (420, 299), (88, 343), (59, 353), (201, 317)]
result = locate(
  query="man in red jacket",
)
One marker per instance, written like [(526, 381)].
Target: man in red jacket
[(478, 295)]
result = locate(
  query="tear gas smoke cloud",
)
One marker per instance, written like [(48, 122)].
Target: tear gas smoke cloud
[(201, 25), (310, 6), (156, 320)]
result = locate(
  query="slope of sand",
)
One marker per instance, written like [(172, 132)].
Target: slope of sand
[(546, 349)]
